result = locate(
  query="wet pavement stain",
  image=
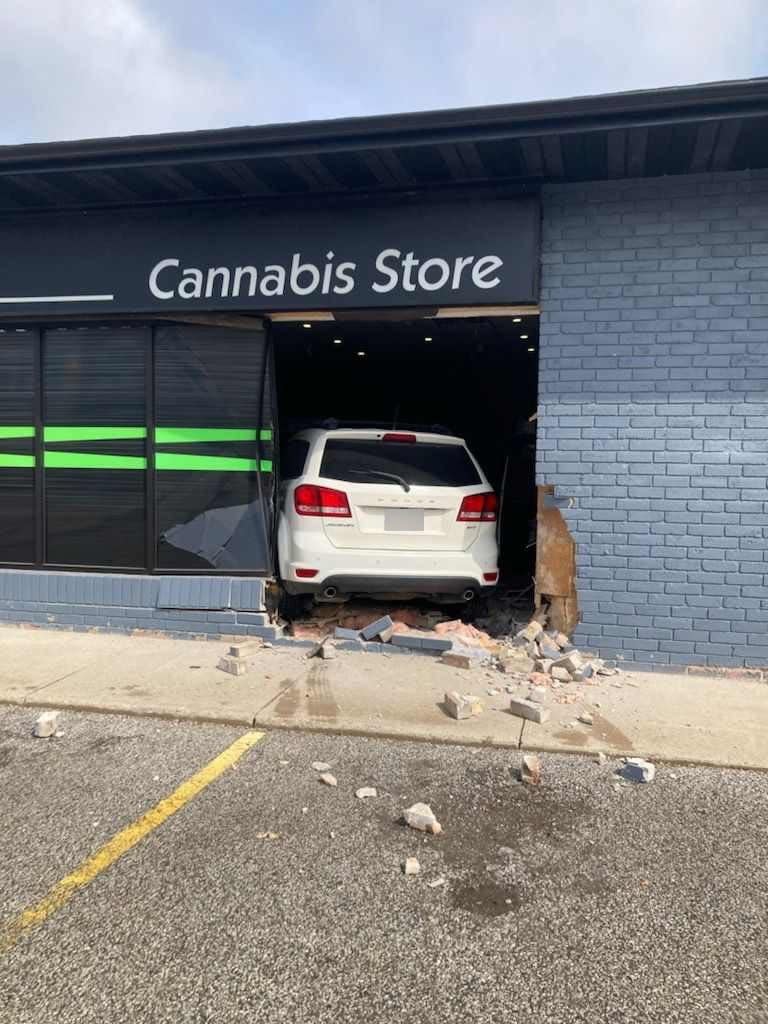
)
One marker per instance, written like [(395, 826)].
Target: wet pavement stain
[(488, 899), (602, 731), (320, 700), (290, 699)]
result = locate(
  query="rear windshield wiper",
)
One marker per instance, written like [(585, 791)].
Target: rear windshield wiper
[(385, 476)]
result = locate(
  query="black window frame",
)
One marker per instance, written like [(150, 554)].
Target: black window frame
[(264, 450)]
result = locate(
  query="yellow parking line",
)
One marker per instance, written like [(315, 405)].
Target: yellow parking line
[(114, 849)]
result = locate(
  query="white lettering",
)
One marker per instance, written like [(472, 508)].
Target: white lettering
[(273, 280), (191, 285), (210, 281), (443, 269), (461, 262), (240, 272), (157, 270), (298, 269), (408, 264), (484, 266), (381, 266), (345, 275)]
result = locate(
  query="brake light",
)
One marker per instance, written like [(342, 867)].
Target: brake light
[(306, 574), (310, 500), (404, 438), (478, 508), (490, 577)]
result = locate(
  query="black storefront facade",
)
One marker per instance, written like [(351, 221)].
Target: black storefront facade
[(142, 280)]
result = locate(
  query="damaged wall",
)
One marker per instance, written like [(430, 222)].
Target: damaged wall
[(653, 412)]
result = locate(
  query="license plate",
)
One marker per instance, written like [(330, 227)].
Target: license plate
[(404, 520)]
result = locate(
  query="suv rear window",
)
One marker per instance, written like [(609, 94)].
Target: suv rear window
[(435, 465), (293, 458)]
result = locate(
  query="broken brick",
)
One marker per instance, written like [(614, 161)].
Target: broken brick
[(531, 631), (529, 710), (462, 706), (374, 629), (530, 770)]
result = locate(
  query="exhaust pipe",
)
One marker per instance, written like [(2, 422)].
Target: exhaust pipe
[(330, 593), (468, 595)]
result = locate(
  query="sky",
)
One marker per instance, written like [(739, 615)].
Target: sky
[(91, 68)]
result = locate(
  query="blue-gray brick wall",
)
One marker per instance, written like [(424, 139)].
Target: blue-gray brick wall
[(653, 413), (205, 606)]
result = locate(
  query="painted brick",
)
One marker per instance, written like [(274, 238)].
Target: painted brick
[(653, 400)]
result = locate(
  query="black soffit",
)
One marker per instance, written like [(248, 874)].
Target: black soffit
[(721, 126)]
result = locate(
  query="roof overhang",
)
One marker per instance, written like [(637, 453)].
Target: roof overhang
[(721, 126)]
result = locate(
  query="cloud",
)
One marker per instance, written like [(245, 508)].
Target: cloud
[(78, 68)]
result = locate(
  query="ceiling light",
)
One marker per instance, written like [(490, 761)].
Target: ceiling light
[(516, 319), (337, 341), (361, 353), (306, 325), (523, 337), (427, 338), (531, 349)]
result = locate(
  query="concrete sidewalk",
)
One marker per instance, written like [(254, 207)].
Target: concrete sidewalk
[(669, 717)]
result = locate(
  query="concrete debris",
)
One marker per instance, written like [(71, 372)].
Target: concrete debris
[(327, 651), (245, 648), (340, 633), (233, 666), (531, 632), (636, 769), (320, 766), (570, 662), (46, 725), (538, 694), (411, 866), (461, 706), (456, 660), (422, 818), (600, 758), (542, 665), (328, 779), (529, 710), (466, 634), (515, 664), (548, 648), (365, 792), (435, 883), (586, 718), (538, 679), (493, 692), (377, 627), (560, 675), (530, 770)]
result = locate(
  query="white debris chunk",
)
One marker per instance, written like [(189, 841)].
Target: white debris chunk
[(601, 758), (46, 725), (365, 791), (586, 718), (528, 709), (436, 882), (320, 766), (636, 769), (530, 770), (411, 866), (422, 817), (462, 705), (328, 779)]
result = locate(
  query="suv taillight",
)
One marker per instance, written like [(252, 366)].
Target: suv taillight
[(478, 508), (310, 500)]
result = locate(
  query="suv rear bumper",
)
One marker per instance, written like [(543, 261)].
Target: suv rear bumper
[(346, 585)]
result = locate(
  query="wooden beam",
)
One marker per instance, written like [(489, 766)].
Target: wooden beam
[(174, 181), (396, 167), (378, 168), (470, 154), (453, 162), (38, 189)]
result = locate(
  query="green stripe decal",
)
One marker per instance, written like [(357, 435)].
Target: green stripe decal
[(52, 434), (14, 432), (81, 460), (15, 461), (211, 463), (203, 435)]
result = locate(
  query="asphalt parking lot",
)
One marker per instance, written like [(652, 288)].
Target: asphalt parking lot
[(574, 901)]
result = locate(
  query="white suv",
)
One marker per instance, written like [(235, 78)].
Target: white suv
[(392, 512)]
